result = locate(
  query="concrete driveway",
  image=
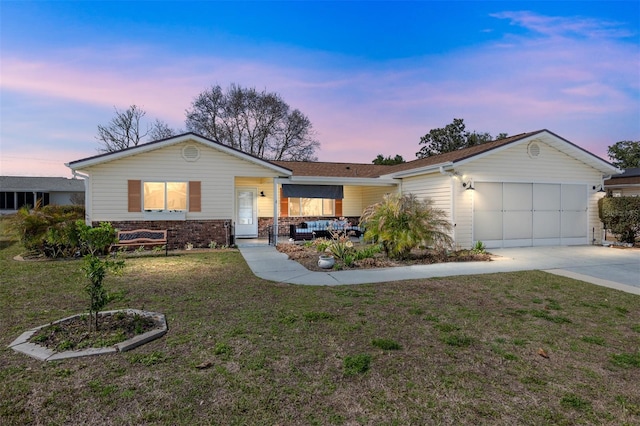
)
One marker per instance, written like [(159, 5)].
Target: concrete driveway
[(609, 267)]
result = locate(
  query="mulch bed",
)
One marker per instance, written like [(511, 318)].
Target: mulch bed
[(74, 334), (308, 257)]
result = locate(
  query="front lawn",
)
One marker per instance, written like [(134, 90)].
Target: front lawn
[(518, 348)]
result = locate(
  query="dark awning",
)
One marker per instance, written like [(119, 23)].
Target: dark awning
[(313, 191)]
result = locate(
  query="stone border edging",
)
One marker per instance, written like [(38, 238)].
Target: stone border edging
[(22, 344)]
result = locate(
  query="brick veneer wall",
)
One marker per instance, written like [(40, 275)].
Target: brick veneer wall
[(180, 232)]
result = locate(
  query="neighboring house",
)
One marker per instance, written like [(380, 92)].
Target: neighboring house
[(626, 184), (531, 189), (18, 191)]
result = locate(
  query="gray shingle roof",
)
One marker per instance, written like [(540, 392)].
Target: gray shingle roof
[(40, 184)]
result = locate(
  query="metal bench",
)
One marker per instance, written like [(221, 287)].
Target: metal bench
[(141, 238)]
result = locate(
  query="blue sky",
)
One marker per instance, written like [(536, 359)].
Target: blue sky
[(373, 77)]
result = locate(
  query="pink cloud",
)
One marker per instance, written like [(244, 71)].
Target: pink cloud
[(523, 85)]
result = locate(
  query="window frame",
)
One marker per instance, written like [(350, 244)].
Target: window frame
[(165, 196), (302, 213)]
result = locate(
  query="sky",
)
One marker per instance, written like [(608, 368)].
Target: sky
[(373, 77)]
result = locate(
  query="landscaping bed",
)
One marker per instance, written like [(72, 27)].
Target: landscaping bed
[(307, 255)]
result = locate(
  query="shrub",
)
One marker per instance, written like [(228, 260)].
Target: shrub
[(60, 231), (621, 215), (403, 222), (33, 224)]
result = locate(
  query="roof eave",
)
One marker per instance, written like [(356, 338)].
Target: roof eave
[(420, 170), (322, 180)]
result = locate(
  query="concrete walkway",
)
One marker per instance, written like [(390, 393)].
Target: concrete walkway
[(609, 267)]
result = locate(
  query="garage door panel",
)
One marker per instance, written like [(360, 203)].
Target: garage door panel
[(487, 196), (546, 196), (517, 196), (574, 197), (517, 225), (574, 224), (546, 224), (487, 226), (524, 214)]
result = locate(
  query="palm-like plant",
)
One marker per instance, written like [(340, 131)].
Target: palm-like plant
[(403, 222)]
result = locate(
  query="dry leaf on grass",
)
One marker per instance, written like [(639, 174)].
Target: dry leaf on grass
[(543, 353)]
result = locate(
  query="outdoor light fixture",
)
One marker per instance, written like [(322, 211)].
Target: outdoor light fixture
[(262, 194), (599, 190), (468, 186)]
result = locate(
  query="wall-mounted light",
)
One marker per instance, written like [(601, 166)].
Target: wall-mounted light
[(262, 194), (468, 186), (599, 190)]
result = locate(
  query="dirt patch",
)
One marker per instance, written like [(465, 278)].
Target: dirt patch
[(73, 333), (308, 257)]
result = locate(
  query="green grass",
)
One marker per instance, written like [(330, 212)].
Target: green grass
[(285, 354)]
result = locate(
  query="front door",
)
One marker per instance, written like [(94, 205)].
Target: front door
[(246, 213)]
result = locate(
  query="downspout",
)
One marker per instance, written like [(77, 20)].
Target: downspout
[(276, 211), (452, 176), (87, 199)]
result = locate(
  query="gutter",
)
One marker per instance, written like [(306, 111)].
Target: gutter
[(423, 170)]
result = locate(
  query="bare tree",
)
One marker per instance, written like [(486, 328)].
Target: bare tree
[(122, 131), (258, 123), (125, 130), (160, 130)]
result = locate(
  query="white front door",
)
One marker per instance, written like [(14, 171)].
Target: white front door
[(246, 213)]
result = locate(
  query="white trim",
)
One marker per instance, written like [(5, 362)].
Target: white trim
[(319, 180), (421, 170)]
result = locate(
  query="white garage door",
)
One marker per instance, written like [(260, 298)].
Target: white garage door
[(529, 214)]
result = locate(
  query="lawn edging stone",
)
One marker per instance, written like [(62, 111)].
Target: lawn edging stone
[(39, 352)]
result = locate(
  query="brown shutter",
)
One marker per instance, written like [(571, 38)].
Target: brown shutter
[(284, 205), (339, 207), (135, 195), (195, 197)]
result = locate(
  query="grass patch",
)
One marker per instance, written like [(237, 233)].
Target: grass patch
[(318, 316), (155, 357), (626, 360), (356, 364), (547, 316), (459, 340), (595, 340), (273, 353), (575, 402), (386, 344)]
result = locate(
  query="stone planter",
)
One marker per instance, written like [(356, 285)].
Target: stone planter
[(326, 262)]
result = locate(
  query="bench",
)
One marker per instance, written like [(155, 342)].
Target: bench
[(141, 238)]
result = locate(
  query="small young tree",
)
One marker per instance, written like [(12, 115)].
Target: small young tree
[(95, 269), (403, 222)]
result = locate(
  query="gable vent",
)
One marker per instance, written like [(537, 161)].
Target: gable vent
[(533, 149), (190, 153)]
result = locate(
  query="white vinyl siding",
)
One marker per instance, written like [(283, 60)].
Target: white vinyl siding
[(216, 171)]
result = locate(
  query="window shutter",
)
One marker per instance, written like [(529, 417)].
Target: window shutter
[(284, 205), (195, 198), (339, 207), (135, 195)]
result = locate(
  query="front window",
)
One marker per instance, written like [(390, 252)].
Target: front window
[(312, 207), (165, 196)]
